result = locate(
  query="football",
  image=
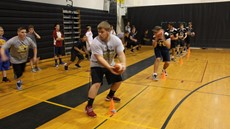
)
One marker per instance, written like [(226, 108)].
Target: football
[(118, 67)]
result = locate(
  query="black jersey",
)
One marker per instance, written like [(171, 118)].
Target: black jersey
[(79, 45), (173, 32), (189, 32), (181, 32), (160, 42)]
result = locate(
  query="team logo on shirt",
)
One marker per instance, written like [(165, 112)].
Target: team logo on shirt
[(22, 49), (2, 42)]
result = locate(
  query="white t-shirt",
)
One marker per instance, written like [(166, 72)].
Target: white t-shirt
[(89, 36), (107, 50)]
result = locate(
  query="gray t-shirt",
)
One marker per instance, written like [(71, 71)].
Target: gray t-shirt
[(107, 50), (19, 49), (32, 36)]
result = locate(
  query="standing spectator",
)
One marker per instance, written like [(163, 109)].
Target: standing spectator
[(128, 27), (112, 31), (4, 65), (33, 35), (89, 41), (58, 38), (19, 49)]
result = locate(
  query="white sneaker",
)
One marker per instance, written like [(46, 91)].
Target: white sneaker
[(154, 76)]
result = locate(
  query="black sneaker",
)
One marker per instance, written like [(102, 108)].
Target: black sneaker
[(116, 99), (131, 50), (19, 85), (77, 65), (5, 79), (66, 67), (173, 59)]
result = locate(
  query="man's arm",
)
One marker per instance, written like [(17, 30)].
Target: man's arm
[(154, 43), (37, 35), (122, 59), (77, 49)]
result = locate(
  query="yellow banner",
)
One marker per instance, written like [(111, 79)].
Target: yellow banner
[(120, 1)]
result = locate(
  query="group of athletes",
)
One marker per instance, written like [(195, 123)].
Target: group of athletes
[(176, 40), (102, 50)]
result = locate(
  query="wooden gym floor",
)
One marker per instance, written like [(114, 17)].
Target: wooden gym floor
[(195, 95)]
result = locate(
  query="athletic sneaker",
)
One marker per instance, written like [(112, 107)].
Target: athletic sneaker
[(173, 59), (164, 71), (5, 79), (37, 69), (19, 85), (66, 67), (56, 65), (89, 111), (77, 65), (33, 70), (154, 76), (116, 99), (132, 50)]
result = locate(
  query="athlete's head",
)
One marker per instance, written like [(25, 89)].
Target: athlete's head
[(158, 31), (31, 29), (104, 30), (21, 32)]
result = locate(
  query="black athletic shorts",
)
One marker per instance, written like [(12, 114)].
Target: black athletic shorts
[(181, 42), (162, 53), (74, 55), (19, 69), (97, 74), (57, 51), (173, 43)]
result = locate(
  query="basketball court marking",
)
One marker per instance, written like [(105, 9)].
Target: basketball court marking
[(178, 105)]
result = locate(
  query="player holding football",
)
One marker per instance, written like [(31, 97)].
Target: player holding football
[(104, 47), (161, 44)]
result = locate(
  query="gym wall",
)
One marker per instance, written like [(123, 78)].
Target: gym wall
[(43, 16), (210, 21)]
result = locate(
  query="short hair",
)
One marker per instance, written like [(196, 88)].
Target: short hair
[(170, 23), (88, 27), (126, 32), (156, 29), (82, 35), (181, 24), (56, 24), (1, 27), (30, 26), (104, 25), (21, 28)]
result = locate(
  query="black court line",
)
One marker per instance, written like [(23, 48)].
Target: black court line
[(177, 106), (204, 71), (41, 113)]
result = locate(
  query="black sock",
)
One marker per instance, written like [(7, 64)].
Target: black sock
[(90, 102), (55, 61), (60, 61), (111, 93)]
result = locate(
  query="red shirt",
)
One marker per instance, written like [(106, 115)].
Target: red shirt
[(56, 34)]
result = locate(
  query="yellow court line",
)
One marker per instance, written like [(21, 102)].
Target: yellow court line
[(108, 118)]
